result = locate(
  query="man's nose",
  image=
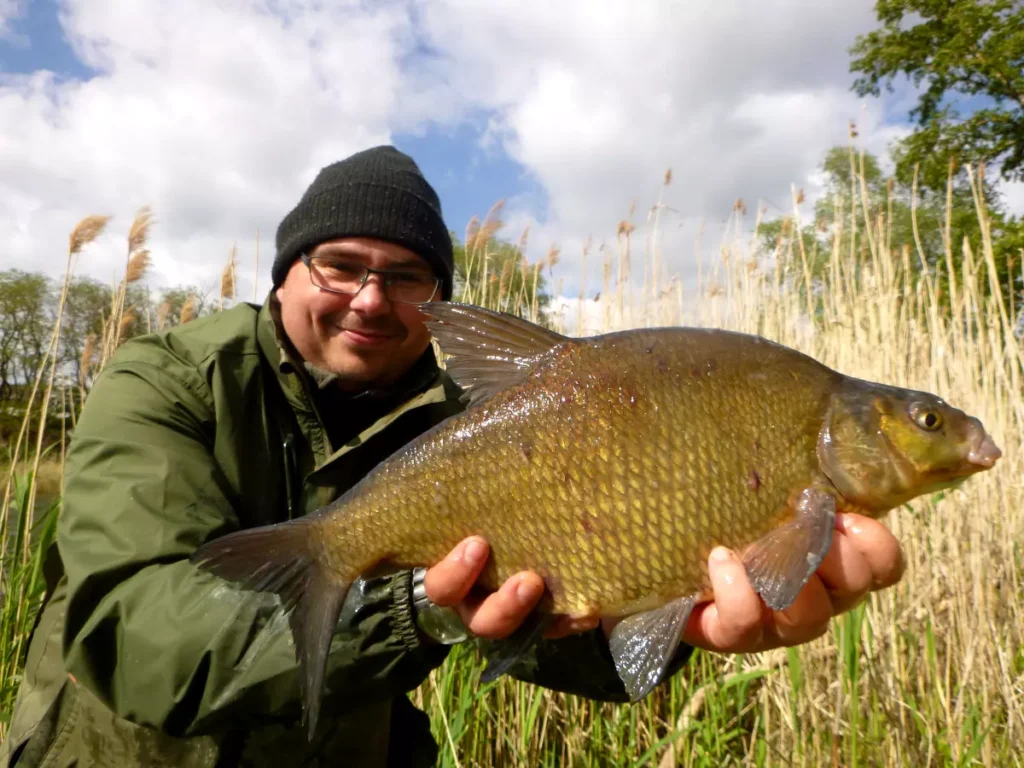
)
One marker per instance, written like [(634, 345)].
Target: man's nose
[(371, 298)]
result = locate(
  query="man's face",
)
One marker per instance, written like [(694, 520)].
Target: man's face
[(366, 339)]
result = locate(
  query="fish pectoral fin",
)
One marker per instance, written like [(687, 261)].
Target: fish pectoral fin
[(781, 562), (644, 644), (503, 654), (486, 350)]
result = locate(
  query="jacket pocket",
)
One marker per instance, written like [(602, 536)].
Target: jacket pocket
[(92, 735)]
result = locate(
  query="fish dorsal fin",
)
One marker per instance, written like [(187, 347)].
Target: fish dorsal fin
[(487, 350)]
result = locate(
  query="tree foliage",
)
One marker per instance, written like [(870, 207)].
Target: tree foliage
[(28, 315), (857, 190), (949, 49), (494, 273), (26, 300)]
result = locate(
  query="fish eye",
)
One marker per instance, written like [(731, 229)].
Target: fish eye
[(926, 418)]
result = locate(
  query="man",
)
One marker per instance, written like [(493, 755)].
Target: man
[(259, 414)]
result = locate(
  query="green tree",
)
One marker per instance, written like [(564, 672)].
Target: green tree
[(494, 273), (173, 300), (847, 187), (25, 329), (956, 50), (88, 301), (951, 48)]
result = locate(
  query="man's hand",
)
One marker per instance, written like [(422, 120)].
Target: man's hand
[(864, 556), (499, 614)]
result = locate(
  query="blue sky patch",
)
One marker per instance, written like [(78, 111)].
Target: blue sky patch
[(37, 41), (470, 178)]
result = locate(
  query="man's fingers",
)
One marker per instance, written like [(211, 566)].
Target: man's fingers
[(448, 582), (876, 544), (845, 572), (805, 619), (734, 622), (500, 613)]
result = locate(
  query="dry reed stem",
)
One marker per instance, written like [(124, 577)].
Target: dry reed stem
[(471, 231), (75, 245), (163, 312), (137, 261), (86, 360), (188, 309), (227, 280), (126, 323)]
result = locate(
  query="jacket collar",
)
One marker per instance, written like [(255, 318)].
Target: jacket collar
[(304, 386)]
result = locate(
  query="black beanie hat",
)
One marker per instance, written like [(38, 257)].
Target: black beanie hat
[(380, 193)]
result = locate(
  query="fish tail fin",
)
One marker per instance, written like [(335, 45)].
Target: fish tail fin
[(280, 558)]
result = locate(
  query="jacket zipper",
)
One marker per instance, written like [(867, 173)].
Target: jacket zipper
[(291, 470)]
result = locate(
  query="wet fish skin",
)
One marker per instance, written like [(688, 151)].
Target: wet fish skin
[(586, 474), (611, 466)]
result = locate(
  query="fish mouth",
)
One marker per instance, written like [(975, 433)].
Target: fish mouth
[(984, 453)]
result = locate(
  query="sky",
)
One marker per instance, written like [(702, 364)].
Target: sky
[(218, 114)]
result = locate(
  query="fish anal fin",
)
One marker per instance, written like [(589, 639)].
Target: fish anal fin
[(780, 563), (503, 654), (644, 644), (485, 350), (278, 558)]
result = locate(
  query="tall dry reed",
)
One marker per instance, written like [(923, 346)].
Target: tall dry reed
[(20, 575)]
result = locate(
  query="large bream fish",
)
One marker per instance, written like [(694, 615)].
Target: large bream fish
[(611, 466)]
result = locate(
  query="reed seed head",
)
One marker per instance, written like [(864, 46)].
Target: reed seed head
[(139, 230), (188, 309), (87, 230), (137, 265)]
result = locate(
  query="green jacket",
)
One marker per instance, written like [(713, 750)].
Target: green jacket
[(140, 659)]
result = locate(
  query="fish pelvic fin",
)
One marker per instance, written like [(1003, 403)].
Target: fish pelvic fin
[(486, 350), (279, 558), (644, 644), (781, 562)]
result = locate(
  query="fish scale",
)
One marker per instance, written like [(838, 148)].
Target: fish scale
[(611, 466)]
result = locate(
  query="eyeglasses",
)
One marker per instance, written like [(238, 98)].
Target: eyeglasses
[(401, 286)]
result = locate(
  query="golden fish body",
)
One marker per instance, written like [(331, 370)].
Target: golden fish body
[(611, 466), (611, 470)]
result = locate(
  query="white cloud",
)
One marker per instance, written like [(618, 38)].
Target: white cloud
[(9, 10), (598, 99), (219, 114), (1013, 196), (216, 116)]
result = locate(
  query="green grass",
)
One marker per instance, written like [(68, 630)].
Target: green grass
[(23, 584)]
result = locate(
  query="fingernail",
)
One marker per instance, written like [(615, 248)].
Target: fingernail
[(526, 592), (475, 552), (848, 524), (721, 554)]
